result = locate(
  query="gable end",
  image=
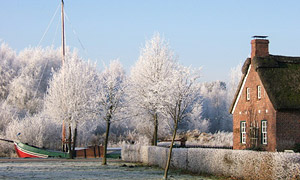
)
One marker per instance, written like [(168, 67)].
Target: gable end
[(241, 87)]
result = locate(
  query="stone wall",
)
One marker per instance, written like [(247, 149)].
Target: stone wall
[(231, 163)]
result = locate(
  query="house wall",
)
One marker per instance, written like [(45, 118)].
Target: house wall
[(254, 111), (288, 126)]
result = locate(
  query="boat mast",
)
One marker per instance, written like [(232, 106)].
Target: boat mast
[(62, 31), (62, 63)]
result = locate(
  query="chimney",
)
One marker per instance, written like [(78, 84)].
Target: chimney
[(259, 46)]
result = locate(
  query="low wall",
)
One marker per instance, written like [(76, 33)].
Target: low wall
[(91, 152), (236, 163)]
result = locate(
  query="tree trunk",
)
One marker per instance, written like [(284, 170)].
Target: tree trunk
[(170, 151), (154, 143), (74, 139), (63, 137), (106, 140), (70, 142)]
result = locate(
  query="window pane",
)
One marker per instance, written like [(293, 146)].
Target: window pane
[(243, 132), (264, 132), (248, 94)]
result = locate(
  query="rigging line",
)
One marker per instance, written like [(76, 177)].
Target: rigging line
[(49, 25), (36, 90), (55, 32), (44, 68), (47, 58), (74, 32)]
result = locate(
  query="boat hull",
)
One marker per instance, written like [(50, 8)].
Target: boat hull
[(27, 151)]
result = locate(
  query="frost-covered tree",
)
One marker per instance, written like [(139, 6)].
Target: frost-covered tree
[(154, 65), (8, 69), (217, 98), (215, 106), (7, 114), (181, 97), (235, 76), (111, 96), (23, 82), (37, 130), (71, 95), (28, 88)]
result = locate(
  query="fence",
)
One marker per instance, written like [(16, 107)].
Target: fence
[(232, 163)]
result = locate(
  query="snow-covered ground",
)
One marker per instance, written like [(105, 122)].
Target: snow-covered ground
[(82, 169)]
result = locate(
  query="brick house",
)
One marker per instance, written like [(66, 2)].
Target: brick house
[(266, 106)]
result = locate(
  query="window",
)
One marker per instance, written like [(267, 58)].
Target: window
[(243, 132), (264, 137), (259, 92), (248, 94)]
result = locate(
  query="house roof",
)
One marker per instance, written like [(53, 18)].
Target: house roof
[(280, 76)]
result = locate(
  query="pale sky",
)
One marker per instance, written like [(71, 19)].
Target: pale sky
[(215, 35)]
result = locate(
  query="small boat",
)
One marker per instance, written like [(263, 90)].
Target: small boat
[(29, 151), (25, 150)]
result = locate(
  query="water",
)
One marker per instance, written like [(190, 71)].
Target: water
[(84, 169)]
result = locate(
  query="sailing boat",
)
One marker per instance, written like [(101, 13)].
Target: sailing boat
[(29, 151)]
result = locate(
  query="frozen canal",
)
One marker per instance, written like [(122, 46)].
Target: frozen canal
[(82, 169)]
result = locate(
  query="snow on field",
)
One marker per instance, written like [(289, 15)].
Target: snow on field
[(83, 169)]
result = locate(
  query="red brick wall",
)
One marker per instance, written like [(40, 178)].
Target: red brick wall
[(259, 47), (288, 129), (255, 109)]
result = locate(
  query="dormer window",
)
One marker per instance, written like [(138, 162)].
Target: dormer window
[(248, 94), (258, 92)]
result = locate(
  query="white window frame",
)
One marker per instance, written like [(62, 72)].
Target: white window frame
[(243, 132), (259, 92), (248, 94), (264, 132)]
